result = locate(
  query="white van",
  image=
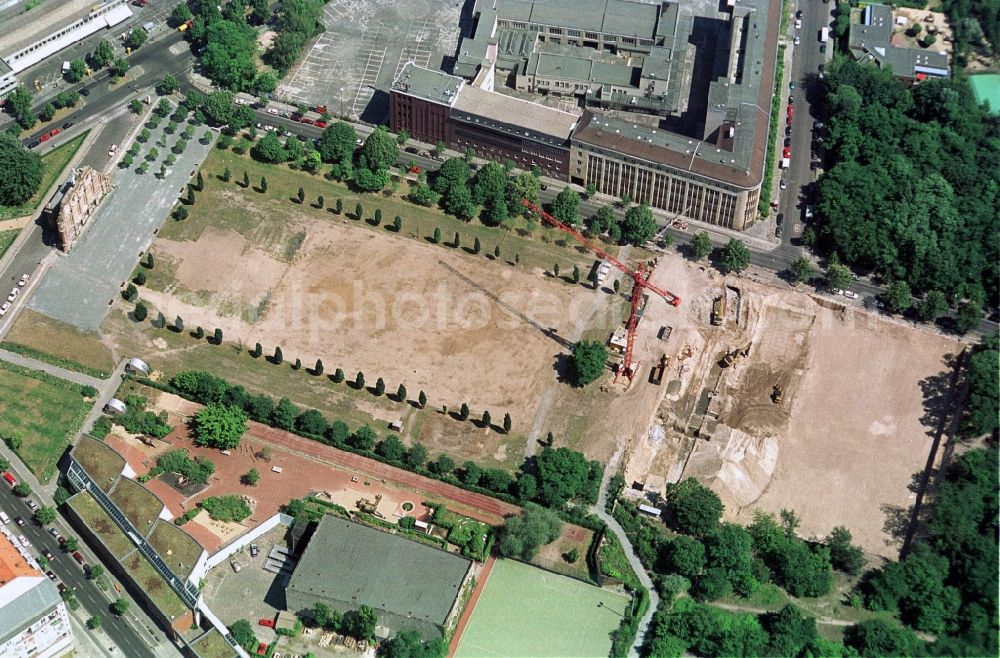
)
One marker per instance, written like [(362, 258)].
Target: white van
[(4, 518)]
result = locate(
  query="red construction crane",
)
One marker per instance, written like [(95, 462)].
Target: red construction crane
[(640, 277)]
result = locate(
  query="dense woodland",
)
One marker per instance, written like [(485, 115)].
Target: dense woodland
[(912, 189), (976, 25), (946, 586)]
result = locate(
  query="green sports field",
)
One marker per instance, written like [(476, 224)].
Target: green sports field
[(987, 89), (524, 611)]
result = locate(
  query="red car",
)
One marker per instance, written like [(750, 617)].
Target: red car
[(414, 169), (787, 153), (320, 124), (54, 132), (269, 623), (307, 120), (262, 649), (11, 480), (78, 557), (44, 138), (320, 109)]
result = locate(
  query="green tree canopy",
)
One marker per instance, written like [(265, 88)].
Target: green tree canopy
[(489, 184), (562, 475), (269, 149), (454, 173), (218, 108), (220, 426), (20, 171), (701, 245), (337, 142), (589, 357), (639, 225), (521, 536), (242, 632), (566, 207), (228, 59), (735, 256), (379, 151), (693, 508)]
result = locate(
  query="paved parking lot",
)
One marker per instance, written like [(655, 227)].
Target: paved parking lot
[(253, 593), (365, 45), (80, 285)]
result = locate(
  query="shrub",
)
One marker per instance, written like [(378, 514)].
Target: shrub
[(225, 508)]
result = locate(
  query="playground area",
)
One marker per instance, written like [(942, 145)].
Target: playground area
[(524, 611)]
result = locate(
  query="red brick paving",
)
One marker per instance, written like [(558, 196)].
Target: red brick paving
[(470, 606), (297, 458), (297, 448)]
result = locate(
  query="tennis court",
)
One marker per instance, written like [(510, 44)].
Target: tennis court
[(525, 611)]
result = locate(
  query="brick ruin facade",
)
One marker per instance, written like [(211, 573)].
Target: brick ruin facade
[(78, 204)]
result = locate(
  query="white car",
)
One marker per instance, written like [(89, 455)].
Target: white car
[(112, 150), (798, 23), (836, 291), (24, 541), (850, 294), (13, 294), (270, 128), (24, 280), (271, 110), (3, 308), (240, 101), (797, 41), (359, 141), (783, 185)]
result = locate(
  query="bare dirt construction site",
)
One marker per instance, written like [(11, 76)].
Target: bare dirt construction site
[(818, 409), (463, 328)]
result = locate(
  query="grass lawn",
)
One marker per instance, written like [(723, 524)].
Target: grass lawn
[(541, 248), (524, 611), (7, 239), (101, 524), (61, 344), (53, 164), (138, 504), (42, 412), (178, 549)]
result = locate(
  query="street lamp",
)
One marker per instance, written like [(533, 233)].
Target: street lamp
[(341, 102)]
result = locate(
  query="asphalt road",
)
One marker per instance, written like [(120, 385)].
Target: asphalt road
[(92, 599)]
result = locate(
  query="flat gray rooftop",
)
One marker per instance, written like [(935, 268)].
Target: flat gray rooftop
[(624, 17), (506, 110), (349, 562), (41, 21), (431, 85)]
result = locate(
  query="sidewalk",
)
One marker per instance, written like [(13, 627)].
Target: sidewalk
[(633, 560)]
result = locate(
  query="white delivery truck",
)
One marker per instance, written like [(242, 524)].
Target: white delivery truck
[(824, 34), (785, 163)]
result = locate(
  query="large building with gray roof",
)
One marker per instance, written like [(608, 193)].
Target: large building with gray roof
[(410, 585), (872, 37), (666, 103), (33, 617)]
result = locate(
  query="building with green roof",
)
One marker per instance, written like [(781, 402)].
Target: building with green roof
[(411, 585)]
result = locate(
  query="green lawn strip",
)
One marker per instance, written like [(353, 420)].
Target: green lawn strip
[(213, 645), (39, 414), (60, 340), (55, 360), (554, 615), (7, 239), (541, 249), (53, 164), (764, 205), (335, 401)]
